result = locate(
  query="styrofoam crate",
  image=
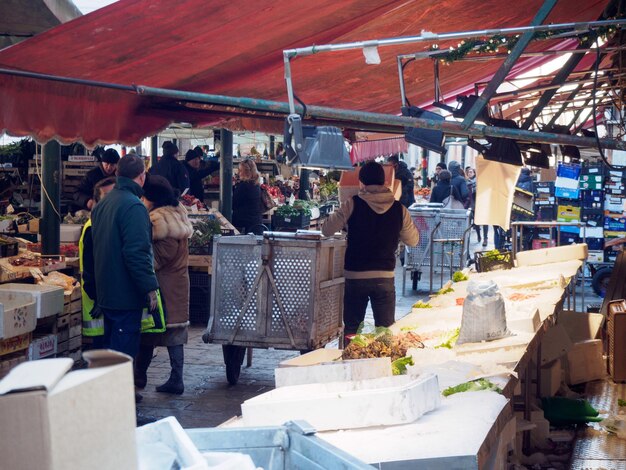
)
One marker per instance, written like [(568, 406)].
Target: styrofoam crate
[(18, 314), (48, 299), (338, 371), (344, 405)]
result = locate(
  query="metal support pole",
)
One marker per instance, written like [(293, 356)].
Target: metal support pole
[(226, 174), (51, 198), (272, 146), (154, 150), (507, 65), (303, 193)]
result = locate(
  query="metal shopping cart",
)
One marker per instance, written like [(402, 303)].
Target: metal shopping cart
[(281, 290), (444, 234)]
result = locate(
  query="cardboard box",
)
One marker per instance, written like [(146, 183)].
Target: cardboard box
[(18, 314), (69, 420), (585, 362), (17, 343), (48, 299), (568, 214), (551, 378), (596, 257), (44, 346)]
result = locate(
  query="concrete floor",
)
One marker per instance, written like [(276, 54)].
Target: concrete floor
[(209, 400)]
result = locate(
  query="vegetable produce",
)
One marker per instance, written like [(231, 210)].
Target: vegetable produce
[(444, 291), (449, 340), (203, 232), (472, 386), (299, 207), (420, 304), (621, 402), (188, 201), (459, 276), (398, 367), (79, 218), (382, 343)]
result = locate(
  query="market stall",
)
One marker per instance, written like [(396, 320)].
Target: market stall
[(470, 429)]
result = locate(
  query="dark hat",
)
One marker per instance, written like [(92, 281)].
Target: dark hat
[(372, 173), (191, 154), (169, 148), (131, 166), (442, 165), (445, 175), (159, 191), (110, 156)]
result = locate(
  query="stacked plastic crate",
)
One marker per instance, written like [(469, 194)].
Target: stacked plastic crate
[(567, 192), (592, 208), (614, 219)]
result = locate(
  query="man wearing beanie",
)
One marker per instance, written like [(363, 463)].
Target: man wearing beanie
[(123, 262), (196, 173), (84, 193), (375, 223), (170, 168)]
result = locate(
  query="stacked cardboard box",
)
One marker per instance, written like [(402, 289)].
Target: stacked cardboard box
[(614, 213), (69, 326)]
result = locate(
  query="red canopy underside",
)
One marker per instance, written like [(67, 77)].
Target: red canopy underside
[(234, 47)]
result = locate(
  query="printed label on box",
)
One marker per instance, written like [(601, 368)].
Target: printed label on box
[(42, 347)]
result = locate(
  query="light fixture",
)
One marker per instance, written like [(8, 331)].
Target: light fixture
[(425, 138), (315, 147)]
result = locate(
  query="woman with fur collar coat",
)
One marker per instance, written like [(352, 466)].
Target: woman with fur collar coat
[(171, 230)]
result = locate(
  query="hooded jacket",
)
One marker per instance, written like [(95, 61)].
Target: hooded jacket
[(84, 191), (122, 248), (458, 181), (380, 200), (525, 180), (174, 171), (171, 230)]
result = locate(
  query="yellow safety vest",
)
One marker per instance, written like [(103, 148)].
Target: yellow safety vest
[(91, 326), (150, 323)]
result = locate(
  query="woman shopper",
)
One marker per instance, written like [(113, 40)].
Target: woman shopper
[(470, 175), (171, 230), (247, 204), (443, 189)]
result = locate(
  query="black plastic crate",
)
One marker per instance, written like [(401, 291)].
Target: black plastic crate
[(592, 217), (568, 238), (595, 244), (543, 188), (8, 247), (593, 169), (545, 213), (199, 297), (485, 263), (199, 279), (199, 314), (298, 221)]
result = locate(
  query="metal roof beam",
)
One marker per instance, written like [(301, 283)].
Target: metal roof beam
[(507, 65)]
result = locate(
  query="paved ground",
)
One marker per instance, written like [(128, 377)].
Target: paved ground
[(208, 399)]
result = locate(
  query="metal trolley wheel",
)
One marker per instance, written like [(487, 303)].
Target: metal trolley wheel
[(233, 359)]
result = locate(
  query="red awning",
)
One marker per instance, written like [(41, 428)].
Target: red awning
[(363, 150), (234, 47)]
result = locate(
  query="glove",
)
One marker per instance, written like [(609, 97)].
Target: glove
[(95, 312), (152, 301)]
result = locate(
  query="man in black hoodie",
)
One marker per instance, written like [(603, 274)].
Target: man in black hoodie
[(406, 178), (193, 164), (458, 182), (84, 193), (376, 223)]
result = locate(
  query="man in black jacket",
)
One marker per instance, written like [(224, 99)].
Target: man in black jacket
[(170, 168), (108, 164), (376, 223), (458, 182), (123, 260), (406, 178), (197, 174)]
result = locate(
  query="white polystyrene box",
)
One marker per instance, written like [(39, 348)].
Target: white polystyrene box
[(338, 371), (523, 318), (552, 255), (344, 405), (49, 299), (18, 314)]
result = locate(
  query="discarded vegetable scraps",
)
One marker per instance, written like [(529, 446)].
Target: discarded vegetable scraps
[(459, 276), (398, 367), (381, 343), (449, 340), (420, 304), (621, 402), (444, 291), (472, 386)]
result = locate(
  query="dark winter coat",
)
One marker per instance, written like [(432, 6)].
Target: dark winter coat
[(171, 230), (246, 205), (196, 187), (406, 178), (173, 171), (441, 191), (84, 192), (525, 181), (122, 248), (458, 181)]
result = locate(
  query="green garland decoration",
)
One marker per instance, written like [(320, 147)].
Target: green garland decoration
[(499, 43)]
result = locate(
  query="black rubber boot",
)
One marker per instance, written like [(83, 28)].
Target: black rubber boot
[(142, 362), (175, 382)]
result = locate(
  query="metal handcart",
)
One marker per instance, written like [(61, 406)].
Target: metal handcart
[(444, 234), (279, 290)]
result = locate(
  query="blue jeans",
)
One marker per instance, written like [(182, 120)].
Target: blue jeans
[(358, 292), (122, 330)]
